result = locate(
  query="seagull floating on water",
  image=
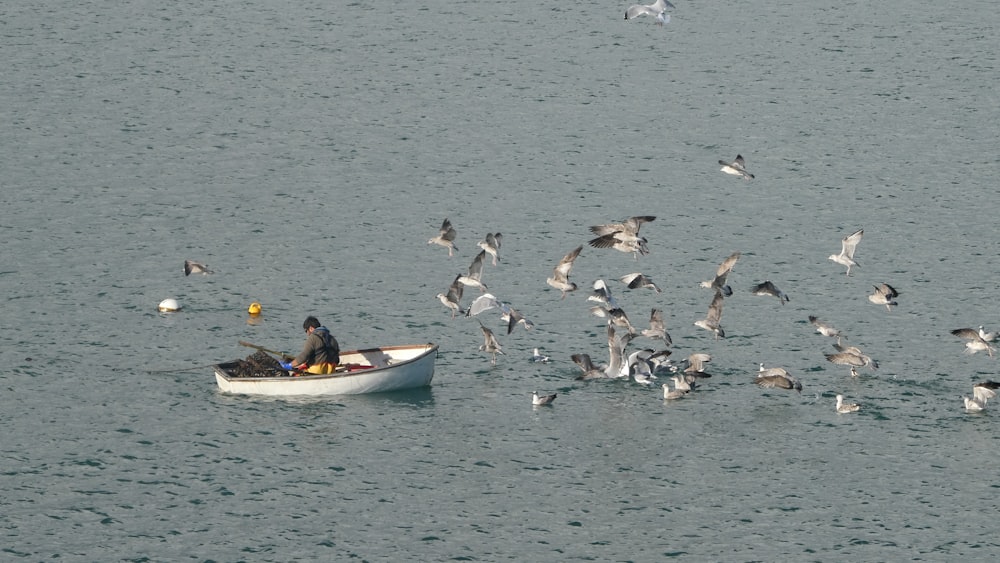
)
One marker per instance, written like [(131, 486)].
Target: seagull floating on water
[(538, 400), (446, 237), (669, 395), (719, 281), (736, 167), (560, 274), (192, 267), (884, 295), (768, 288), (538, 357), (492, 245), (974, 405), (655, 9), (847, 247), (843, 407)]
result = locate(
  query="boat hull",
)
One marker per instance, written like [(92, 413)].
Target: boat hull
[(374, 370)]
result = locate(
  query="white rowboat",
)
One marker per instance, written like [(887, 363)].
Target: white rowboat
[(375, 370)]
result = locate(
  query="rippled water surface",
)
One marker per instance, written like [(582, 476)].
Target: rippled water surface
[(308, 152)]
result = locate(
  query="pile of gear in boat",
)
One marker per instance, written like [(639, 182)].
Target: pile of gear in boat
[(258, 364)]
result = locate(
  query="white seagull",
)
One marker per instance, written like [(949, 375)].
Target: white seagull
[(847, 246), (538, 357), (736, 167), (984, 391), (560, 274), (446, 237), (192, 267)]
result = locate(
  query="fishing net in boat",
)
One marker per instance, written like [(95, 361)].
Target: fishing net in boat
[(258, 364)]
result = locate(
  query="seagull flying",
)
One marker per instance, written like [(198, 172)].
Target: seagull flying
[(847, 246), (623, 237), (637, 280), (853, 357), (446, 237), (825, 329), (560, 274), (602, 294), (884, 295), (453, 298), (192, 267), (736, 167), (713, 317), (657, 329), (974, 340), (768, 288), (776, 378), (719, 281), (492, 245), (474, 277), (490, 344)]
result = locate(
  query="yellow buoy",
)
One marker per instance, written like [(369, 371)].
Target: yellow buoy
[(254, 308), (169, 306)]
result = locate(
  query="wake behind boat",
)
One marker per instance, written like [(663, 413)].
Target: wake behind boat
[(373, 370)]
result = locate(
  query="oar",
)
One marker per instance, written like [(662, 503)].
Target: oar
[(263, 349)]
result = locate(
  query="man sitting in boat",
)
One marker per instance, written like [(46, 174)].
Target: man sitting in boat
[(321, 352)]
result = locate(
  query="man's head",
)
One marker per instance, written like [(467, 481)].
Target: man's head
[(310, 323)]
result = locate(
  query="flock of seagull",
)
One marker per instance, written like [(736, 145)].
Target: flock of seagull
[(644, 365)]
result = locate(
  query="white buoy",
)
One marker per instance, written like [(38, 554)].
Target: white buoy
[(169, 306)]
